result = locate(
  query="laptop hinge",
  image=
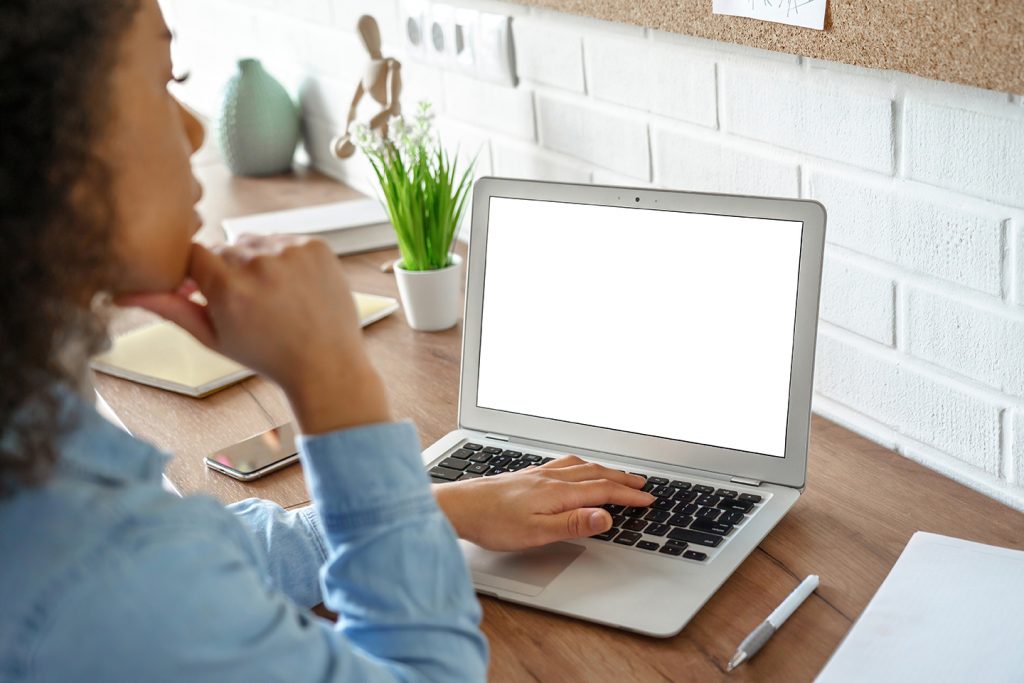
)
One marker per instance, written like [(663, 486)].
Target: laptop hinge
[(496, 437), (744, 480)]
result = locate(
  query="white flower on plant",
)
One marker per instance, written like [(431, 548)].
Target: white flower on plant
[(368, 141)]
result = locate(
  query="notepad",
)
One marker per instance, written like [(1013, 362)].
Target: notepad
[(950, 610), (165, 356)]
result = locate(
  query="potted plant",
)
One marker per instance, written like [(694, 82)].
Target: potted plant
[(425, 198)]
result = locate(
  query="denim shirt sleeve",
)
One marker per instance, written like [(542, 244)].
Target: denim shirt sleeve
[(188, 599), (291, 543)]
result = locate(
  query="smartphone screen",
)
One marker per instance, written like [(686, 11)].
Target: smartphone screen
[(256, 453)]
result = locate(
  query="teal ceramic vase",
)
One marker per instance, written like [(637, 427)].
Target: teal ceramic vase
[(258, 124)]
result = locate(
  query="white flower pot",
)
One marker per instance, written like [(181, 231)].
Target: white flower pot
[(430, 297)]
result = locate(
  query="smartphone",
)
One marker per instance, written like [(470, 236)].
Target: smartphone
[(258, 455)]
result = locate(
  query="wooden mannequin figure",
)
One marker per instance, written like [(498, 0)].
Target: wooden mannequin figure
[(382, 79)]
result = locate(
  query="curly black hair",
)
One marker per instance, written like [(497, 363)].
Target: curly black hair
[(56, 215)]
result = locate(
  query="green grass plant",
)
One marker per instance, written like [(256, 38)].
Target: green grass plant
[(420, 185)]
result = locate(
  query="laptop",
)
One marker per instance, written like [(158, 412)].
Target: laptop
[(668, 334)]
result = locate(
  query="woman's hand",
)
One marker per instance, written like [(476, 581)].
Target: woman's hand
[(538, 505), (281, 306)]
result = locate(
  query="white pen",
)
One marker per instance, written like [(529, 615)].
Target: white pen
[(760, 635)]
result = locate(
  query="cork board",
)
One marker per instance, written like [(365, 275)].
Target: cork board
[(973, 42)]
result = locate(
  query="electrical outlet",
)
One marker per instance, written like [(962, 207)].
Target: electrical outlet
[(413, 22), (459, 39)]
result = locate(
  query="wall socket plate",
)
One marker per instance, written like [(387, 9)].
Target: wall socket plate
[(460, 39)]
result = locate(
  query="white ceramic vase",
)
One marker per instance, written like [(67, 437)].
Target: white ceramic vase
[(430, 298)]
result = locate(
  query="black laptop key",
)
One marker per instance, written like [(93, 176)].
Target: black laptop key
[(741, 505), (472, 446), (613, 508), (752, 497), (493, 450), (619, 520), (663, 491), (454, 464), (673, 550), (657, 515), (462, 454), (512, 454), (627, 537), (647, 545), (709, 500), (480, 457), (680, 519), (656, 529), (701, 488), (686, 508), (438, 480), (695, 555), (681, 485), (530, 457), (495, 470), (678, 544), (517, 465), (545, 461), (726, 493), (710, 527), (478, 468), (635, 524), (606, 536), (647, 487), (445, 473), (731, 517), (695, 537), (707, 513), (635, 512), (658, 481), (663, 504), (501, 461), (686, 496)]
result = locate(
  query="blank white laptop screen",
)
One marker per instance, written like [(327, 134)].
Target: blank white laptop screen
[(676, 325)]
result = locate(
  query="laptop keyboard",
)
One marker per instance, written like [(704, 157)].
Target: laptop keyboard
[(689, 519)]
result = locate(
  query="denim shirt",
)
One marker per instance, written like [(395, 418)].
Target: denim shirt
[(105, 576)]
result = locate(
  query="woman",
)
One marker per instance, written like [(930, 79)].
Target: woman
[(107, 577)]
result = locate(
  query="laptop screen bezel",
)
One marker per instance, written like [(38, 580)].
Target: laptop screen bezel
[(789, 470)]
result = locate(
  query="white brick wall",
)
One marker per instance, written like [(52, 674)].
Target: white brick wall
[(579, 128), (697, 161), (917, 228), (858, 299), (549, 53), (799, 113), (969, 151), (921, 345)]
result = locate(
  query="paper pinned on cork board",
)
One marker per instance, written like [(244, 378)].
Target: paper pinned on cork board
[(805, 13)]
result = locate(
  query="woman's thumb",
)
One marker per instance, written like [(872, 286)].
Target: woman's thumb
[(579, 523)]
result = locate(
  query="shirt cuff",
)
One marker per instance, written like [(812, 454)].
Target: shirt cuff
[(365, 477), (315, 530)]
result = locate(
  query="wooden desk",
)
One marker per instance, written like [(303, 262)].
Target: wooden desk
[(862, 503)]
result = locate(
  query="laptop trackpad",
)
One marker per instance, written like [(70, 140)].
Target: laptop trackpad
[(527, 572)]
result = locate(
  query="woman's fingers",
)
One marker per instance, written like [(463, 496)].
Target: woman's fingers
[(581, 470), (564, 461), (180, 310), (600, 492)]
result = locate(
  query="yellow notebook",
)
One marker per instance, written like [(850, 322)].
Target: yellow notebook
[(165, 356)]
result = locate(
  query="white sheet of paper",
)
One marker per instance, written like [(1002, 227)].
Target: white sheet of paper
[(950, 610), (805, 13)]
